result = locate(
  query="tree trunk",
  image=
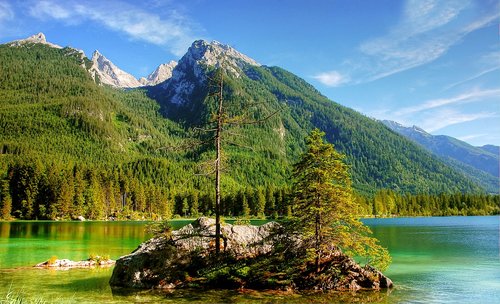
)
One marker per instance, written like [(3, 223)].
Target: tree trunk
[(318, 235), (217, 168)]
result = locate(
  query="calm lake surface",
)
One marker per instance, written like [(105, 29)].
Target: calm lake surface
[(435, 260)]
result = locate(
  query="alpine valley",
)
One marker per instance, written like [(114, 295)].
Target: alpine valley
[(81, 137)]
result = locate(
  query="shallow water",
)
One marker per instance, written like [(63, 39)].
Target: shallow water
[(437, 259)]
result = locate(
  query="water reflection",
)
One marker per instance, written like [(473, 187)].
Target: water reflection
[(434, 260)]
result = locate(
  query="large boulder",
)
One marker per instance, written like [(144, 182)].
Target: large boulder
[(240, 241), (248, 259), (160, 262)]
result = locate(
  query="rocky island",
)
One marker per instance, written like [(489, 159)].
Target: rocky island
[(253, 257), (64, 264)]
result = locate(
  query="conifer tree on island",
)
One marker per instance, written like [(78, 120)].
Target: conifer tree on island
[(325, 210)]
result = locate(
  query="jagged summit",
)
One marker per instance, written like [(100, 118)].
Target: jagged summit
[(162, 73), (190, 72), (202, 53), (396, 126), (37, 38), (212, 53), (110, 74)]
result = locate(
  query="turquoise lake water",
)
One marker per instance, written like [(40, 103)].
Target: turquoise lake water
[(435, 260)]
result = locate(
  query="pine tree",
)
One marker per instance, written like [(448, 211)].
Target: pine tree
[(324, 206), (260, 198), (194, 204), (5, 201)]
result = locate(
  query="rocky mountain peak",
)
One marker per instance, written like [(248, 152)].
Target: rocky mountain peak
[(395, 126), (191, 72), (203, 53), (37, 38), (110, 74), (212, 53), (162, 73)]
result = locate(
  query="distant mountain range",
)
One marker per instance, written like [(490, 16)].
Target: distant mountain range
[(56, 104), (479, 163), (105, 72)]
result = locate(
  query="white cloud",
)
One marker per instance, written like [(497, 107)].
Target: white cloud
[(472, 96), (7, 19), (449, 117), (426, 31), (473, 77), (488, 63), (6, 12), (169, 29), (472, 136), (331, 78), (50, 9), (436, 114)]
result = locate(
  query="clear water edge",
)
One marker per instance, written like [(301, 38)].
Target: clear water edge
[(435, 260)]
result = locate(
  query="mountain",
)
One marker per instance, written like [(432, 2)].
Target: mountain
[(379, 157), (479, 163), (104, 71), (70, 146), (162, 73), (37, 38), (491, 149)]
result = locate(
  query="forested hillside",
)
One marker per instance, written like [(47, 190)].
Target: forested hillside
[(70, 147), (378, 157), (479, 164)]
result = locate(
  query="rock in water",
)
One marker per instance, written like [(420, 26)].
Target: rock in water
[(63, 264), (152, 264), (186, 257)]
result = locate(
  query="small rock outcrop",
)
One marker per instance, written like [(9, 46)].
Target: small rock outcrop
[(67, 264), (37, 39), (250, 259)]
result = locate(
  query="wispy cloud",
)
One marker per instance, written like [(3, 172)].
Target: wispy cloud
[(472, 136), (473, 77), (435, 114), (472, 96), (7, 19), (331, 78), (170, 29), (50, 9), (6, 12), (486, 64), (427, 30), (448, 117)]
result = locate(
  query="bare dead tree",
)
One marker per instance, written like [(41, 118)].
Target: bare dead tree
[(221, 120)]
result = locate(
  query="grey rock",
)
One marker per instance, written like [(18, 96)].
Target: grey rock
[(166, 262), (241, 241), (64, 264)]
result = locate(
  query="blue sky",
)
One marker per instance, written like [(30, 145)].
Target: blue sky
[(430, 63)]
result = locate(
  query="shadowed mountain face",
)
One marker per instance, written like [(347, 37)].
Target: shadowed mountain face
[(480, 163)]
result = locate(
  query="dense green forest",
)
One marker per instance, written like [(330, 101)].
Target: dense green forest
[(379, 158), (69, 147)]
